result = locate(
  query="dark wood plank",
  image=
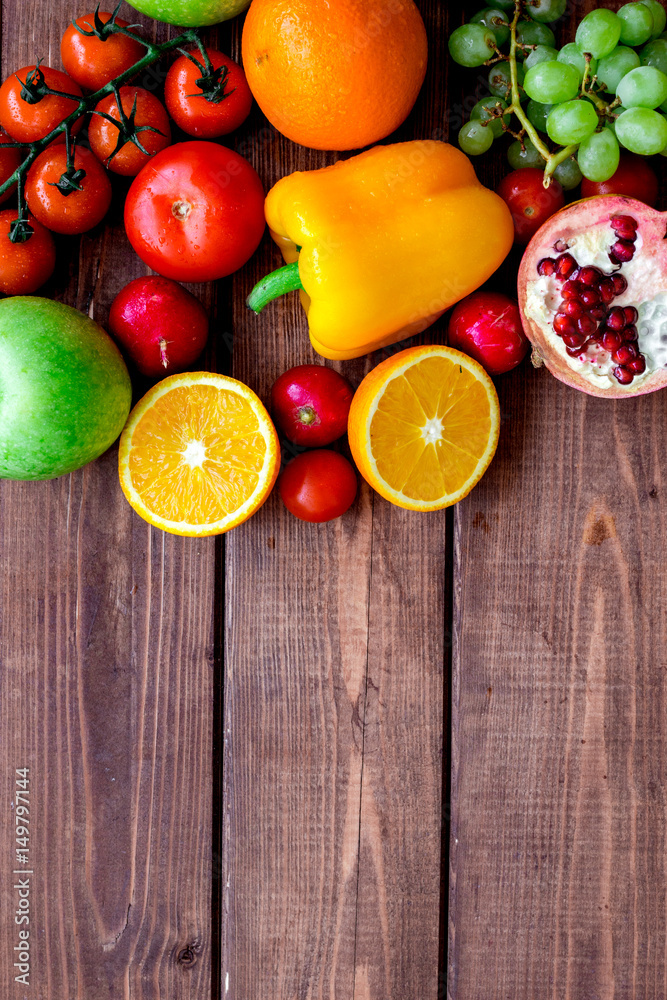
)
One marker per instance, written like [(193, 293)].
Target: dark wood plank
[(333, 703), (106, 691), (559, 755)]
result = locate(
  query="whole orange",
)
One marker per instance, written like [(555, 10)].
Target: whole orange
[(336, 75)]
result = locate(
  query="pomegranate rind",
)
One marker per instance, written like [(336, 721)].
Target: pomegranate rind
[(574, 219)]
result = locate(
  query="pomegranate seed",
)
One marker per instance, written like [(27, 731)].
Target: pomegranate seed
[(638, 365), (606, 290), (546, 267), (620, 283), (631, 314), (565, 265), (561, 245), (574, 340), (624, 226), (622, 251), (572, 308), (586, 324), (597, 312), (563, 324), (571, 289), (589, 275), (611, 341), (625, 354), (630, 334), (623, 375), (616, 318), (589, 296)]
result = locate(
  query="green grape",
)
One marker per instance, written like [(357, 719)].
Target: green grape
[(637, 24), (613, 67), (546, 10), (571, 54), (475, 138), (526, 156), (541, 53), (598, 156), (644, 87), (471, 45), (659, 16), (481, 113), (571, 122), (552, 82), (642, 131), (568, 174), (537, 114), (496, 21), (533, 33), (599, 32), (500, 80), (655, 54)]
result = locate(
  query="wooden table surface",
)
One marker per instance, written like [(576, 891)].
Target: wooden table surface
[(394, 757)]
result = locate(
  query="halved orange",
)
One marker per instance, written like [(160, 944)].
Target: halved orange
[(423, 427), (198, 455)]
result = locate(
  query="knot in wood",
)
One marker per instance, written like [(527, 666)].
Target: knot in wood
[(186, 957)]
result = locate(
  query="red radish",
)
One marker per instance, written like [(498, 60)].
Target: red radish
[(310, 404), (633, 178), (487, 327), (162, 326)]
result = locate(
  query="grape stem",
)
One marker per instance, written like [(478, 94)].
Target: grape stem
[(551, 159), (21, 230)]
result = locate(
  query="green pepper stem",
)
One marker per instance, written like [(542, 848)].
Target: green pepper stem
[(285, 279)]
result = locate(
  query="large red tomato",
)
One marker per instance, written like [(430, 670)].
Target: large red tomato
[(195, 212)]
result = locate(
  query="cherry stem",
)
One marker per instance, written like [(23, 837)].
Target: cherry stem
[(20, 229), (285, 279)]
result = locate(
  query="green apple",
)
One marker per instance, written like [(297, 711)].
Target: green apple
[(190, 13), (64, 389)]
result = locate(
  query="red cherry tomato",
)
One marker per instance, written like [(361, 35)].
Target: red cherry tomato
[(310, 404), (318, 485), (65, 209), (529, 201), (207, 106), (10, 158), (487, 327), (28, 122), (24, 267), (633, 178), (103, 135), (195, 212), (94, 61), (161, 325)]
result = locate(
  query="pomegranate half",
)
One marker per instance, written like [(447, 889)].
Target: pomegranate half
[(593, 296)]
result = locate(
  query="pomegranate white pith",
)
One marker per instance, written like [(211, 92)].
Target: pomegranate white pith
[(593, 296)]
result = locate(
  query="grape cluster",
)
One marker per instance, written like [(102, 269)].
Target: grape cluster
[(607, 88)]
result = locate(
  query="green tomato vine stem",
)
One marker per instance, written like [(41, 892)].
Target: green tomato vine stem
[(84, 106)]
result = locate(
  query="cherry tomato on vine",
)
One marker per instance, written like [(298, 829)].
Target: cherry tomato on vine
[(93, 61), (28, 122), (529, 201), (10, 158), (195, 212), (141, 111), (633, 178), (67, 206), (318, 485), (207, 104), (24, 267)]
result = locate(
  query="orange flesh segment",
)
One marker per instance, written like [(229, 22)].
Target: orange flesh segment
[(437, 395), (219, 431)]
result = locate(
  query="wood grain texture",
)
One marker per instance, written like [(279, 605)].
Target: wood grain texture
[(106, 690), (333, 704), (559, 756)]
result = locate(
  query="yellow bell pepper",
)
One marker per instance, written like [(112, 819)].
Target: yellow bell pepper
[(383, 243)]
